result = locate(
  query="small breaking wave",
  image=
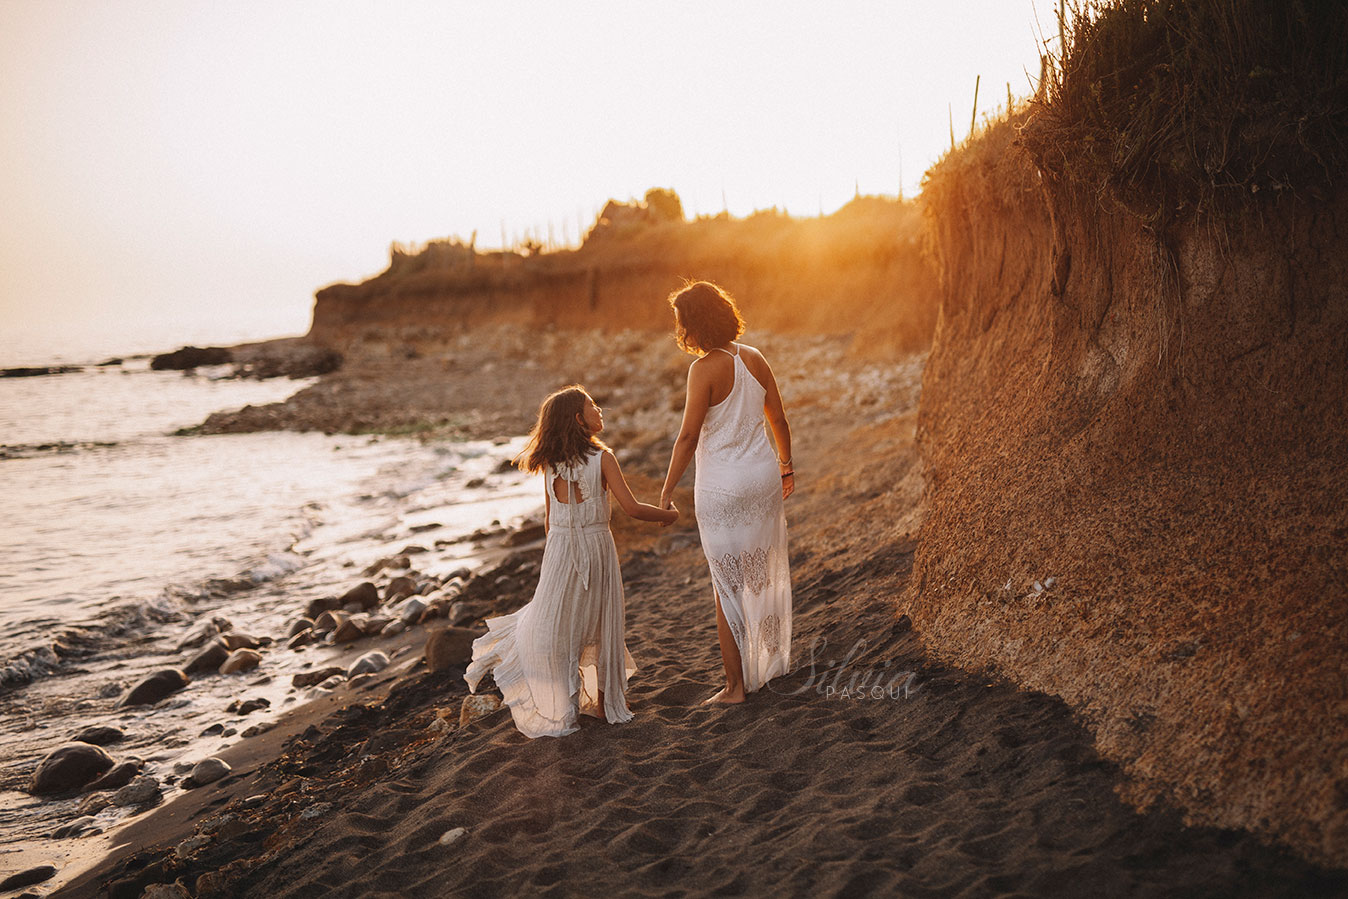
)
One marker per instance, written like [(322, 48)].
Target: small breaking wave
[(129, 621)]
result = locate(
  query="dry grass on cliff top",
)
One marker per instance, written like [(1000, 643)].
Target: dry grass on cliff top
[(858, 272), (1182, 105)]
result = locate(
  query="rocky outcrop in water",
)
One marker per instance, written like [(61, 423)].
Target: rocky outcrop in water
[(190, 357)]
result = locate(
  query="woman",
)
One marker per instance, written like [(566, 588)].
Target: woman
[(739, 488)]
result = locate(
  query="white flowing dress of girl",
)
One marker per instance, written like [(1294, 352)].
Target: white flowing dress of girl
[(564, 653)]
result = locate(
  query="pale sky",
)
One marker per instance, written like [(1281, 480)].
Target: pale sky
[(222, 160)]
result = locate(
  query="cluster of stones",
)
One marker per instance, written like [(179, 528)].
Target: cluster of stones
[(82, 767)]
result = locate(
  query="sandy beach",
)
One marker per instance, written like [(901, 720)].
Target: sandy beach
[(869, 770)]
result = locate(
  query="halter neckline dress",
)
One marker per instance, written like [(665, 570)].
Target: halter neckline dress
[(738, 498)]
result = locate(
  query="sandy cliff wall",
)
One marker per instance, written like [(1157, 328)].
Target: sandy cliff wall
[(1158, 423), (859, 271)]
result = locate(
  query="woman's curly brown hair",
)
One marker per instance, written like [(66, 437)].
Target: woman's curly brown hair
[(707, 317), (558, 437)]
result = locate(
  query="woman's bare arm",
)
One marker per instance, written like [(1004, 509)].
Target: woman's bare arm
[(694, 411), (613, 476)]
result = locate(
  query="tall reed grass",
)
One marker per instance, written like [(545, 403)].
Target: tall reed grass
[(1180, 105)]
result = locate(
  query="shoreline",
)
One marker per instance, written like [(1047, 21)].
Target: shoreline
[(965, 783), (246, 757), (109, 647)]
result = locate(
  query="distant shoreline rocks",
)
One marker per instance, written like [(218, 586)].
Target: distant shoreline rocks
[(38, 371), (287, 357), (192, 357)]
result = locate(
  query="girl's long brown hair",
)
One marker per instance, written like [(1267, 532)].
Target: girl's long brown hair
[(558, 438)]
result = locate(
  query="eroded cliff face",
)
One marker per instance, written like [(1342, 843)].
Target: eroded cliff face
[(1153, 429), (859, 271)]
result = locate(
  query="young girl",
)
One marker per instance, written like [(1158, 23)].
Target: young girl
[(563, 653)]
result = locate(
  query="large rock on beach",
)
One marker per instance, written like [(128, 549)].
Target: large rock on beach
[(69, 767), (375, 624), (317, 607), (118, 776), (27, 878), (463, 612), (328, 621), (99, 735), (237, 640), (141, 791), (93, 803), (206, 771), (349, 629), (310, 678), (365, 595), (300, 625), (449, 646), (438, 607), (400, 587), (213, 627), (248, 706), (303, 638), (209, 659), (241, 660), (152, 689), (369, 663), (411, 608)]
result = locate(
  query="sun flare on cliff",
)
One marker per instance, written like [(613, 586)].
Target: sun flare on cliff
[(186, 163)]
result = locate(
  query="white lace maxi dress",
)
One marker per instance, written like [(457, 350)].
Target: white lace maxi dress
[(738, 498), (552, 657)]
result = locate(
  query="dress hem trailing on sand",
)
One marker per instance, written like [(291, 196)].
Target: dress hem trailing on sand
[(552, 658)]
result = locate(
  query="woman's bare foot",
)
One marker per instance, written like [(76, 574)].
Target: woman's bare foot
[(723, 696)]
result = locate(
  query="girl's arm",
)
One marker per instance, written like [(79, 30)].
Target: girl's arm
[(776, 414), (613, 477), (547, 507), (694, 411)]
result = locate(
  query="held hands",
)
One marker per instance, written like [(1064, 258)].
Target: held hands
[(667, 505)]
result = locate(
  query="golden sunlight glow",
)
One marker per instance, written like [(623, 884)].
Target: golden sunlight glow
[(217, 162)]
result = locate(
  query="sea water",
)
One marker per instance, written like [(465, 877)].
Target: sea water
[(116, 532)]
